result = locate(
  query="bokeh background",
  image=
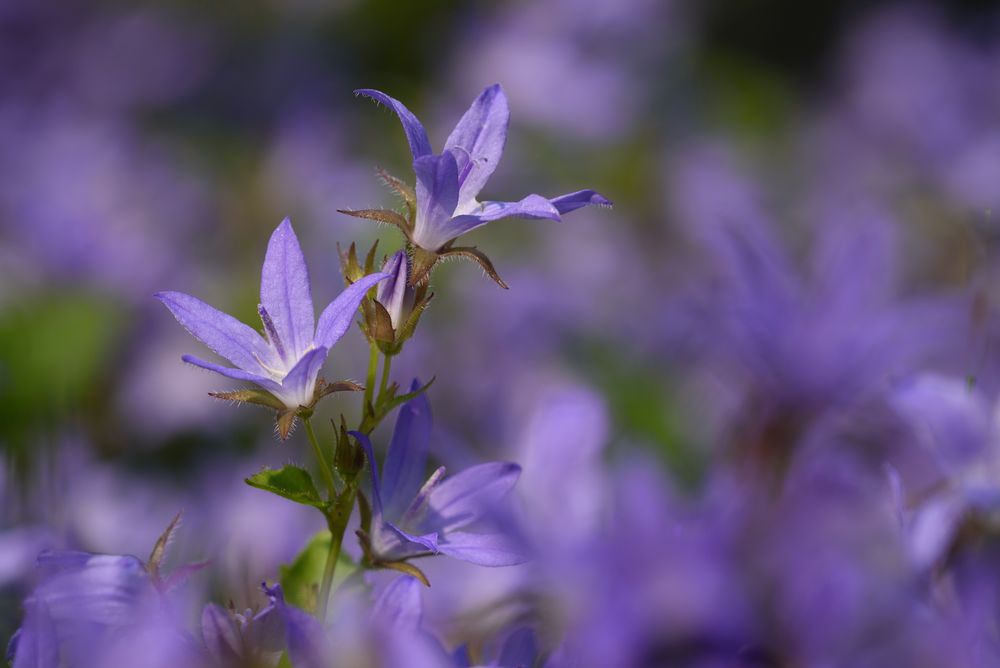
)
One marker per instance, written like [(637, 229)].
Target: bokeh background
[(806, 217)]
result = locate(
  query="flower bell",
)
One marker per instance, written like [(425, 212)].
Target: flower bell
[(444, 204), (285, 363)]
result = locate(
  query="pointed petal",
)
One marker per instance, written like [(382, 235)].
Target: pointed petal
[(469, 495), (437, 197), (284, 290), (224, 334), (398, 605), (480, 137), (236, 374), (366, 445), (337, 317), (532, 206), (578, 200), (412, 543), (415, 133), (298, 386), (483, 549), (407, 455)]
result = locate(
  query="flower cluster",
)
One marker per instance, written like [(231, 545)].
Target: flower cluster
[(110, 611)]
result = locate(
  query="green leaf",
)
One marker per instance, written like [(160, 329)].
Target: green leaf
[(300, 580), (291, 482)]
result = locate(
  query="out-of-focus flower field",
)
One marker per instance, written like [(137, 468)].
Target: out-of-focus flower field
[(754, 404)]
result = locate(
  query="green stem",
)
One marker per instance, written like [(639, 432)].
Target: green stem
[(370, 384), (386, 366), (338, 518), (324, 466)]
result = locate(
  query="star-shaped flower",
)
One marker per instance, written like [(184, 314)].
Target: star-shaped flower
[(414, 517), (286, 362), (444, 205)]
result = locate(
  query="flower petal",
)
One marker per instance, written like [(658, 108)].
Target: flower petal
[(437, 197), (36, 643), (308, 646), (392, 293), (337, 316), (220, 635), (532, 206), (106, 590), (469, 495), (366, 445), (398, 606), (411, 543), (224, 334), (578, 200), (480, 137), (237, 374), (285, 293), (407, 455), (298, 386), (415, 133), (520, 648), (489, 549)]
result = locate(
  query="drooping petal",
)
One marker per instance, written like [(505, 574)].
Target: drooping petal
[(483, 549), (479, 137), (337, 317), (532, 206), (415, 133), (469, 495), (578, 200), (236, 374), (407, 455), (285, 292), (437, 197), (398, 605), (224, 334), (413, 543), (298, 386), (392, 293)]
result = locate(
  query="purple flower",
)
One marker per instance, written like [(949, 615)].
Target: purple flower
[(412, 517), (398, 306), (96, 609), (241, 639), (445, 201), (395, 295), (287, 362)]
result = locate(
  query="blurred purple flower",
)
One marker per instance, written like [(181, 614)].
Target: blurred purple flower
[(955, 426), (413, 517), (235, 639), (287, 363), (581, 68), (89, 200), (799, 346), (89, 609), (449, 183)]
